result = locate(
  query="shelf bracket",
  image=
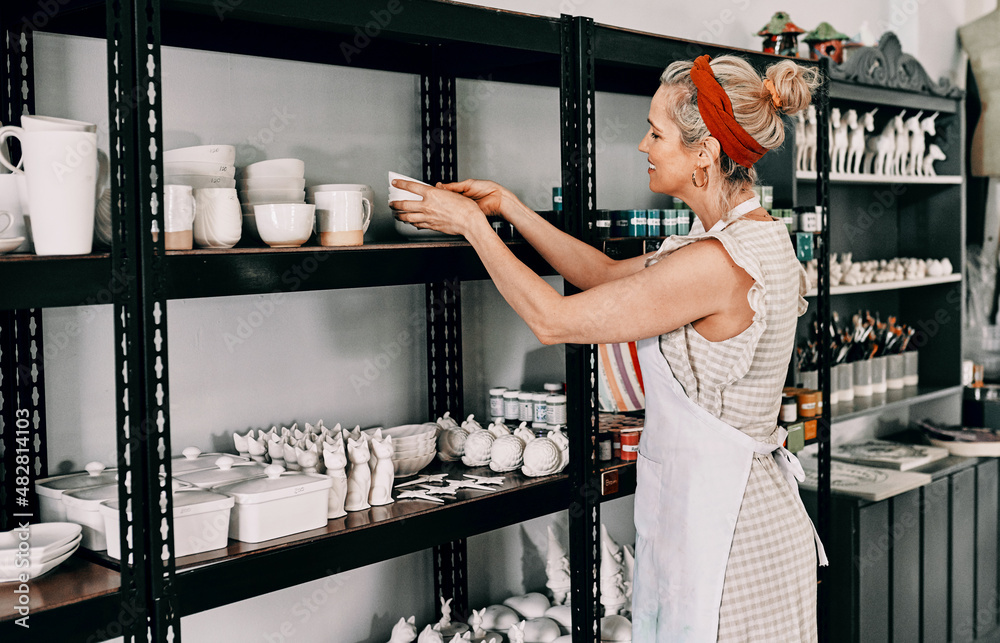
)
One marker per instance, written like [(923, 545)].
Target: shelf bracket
[(17, 73), (451, 579)]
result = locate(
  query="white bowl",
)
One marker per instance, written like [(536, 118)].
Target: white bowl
[(285, 225), (35, 569), (272, 196), (401, 454), (408, 430), (273, 183), (173, 168), (410, 466), (200, 181), (398, 194), (46, 539), (221, 154), (275, 167)]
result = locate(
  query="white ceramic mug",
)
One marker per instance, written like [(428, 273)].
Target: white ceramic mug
[(62, 175), (53, 124), (342, 217), (218, 220), (11, 186), (178, 217)]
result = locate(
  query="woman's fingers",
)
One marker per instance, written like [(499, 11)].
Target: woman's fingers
[(460, 187), (420, 189), (406, 206)]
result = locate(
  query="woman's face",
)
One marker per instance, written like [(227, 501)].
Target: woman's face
[(670, 162)]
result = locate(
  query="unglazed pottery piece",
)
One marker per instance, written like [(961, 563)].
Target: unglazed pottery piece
[(616, 628), (499, 618), (506, 453), (430, 635), (477, 448), (446, 421), (476, 622), (516, 632), (471, 424), (359, 478), (257, 448), (530, 605), (562, 442), (557, 569), (524, 433), (404, 631), (336, 462), (561, 614), (498, 429), (541, 630), (542, 457), (291, 459), (460, 638), (276, 448), (451, 443), (381, 491), (240, 442)]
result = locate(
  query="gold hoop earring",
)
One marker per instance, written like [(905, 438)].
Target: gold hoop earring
[(694, 179)]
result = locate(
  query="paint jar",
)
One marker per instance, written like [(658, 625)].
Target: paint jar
[(526, 407), (911, 374), (894, 371), (602, 224), (845, 382), (511, 406), (555, 411), (541, 410), (683, 222), (557, 203), (604, 446), (637, 223), (554, 388), (789, 409), (767, 197), (878, 375), (653, 223), (819, 403), (862, 378), (630, 444), (619, 223), (807, 403), (496, 402), (668, 222)]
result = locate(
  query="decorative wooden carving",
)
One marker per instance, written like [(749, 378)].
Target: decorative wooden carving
[(887, 66)]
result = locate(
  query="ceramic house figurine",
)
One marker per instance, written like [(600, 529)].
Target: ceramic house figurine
[(557, 570), (335, 460), (382, 478), (359, 478), (405, 631), (826, 42), (781, 36), (430, 635)]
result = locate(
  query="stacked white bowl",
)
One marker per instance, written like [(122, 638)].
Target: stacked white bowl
[(275, 189), (51, 543), (202, 166), (415, 446)]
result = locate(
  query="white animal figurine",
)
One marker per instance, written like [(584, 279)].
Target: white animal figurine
[(928, 127), (307, 458), (404, 631), (445, 613), (629, 568), (800, 138), (880, 150), (902, 148), (382, 478), (461, 638), (359, 480), (477, 623), (838, 140), (557, 570), (257, 448), (336, 461), (276, 448), (914, 144), (240, 442), (430, 635), (516, 632), (291, 458), (934, 153), (856, 140), (807, 152)]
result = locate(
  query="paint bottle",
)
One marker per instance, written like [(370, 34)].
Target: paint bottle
[(541, 411), (496, 402), (555, 411), (637, 223), (653, 223), (526, 405), (511, 406), (789, 409)]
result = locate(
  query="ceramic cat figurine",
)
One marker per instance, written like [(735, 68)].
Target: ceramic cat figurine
[(404, 631), (240, 442), (359, 480), (336, 461), (430, 635), (257, 448), (382, 477)]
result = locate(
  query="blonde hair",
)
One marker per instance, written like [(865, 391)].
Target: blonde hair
[(753, 106)]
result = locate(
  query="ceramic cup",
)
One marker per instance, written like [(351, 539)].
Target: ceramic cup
[(845, 382), (862, 378), (11, 202), (894, 371), (178, 217), (878, 375), (53, 124), (911, 376), (342, 217), (218, 221), (62, 177)]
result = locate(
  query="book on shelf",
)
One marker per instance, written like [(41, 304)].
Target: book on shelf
[(887, 454), (866, 483)]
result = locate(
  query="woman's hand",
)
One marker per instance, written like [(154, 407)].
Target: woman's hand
[(441, 209), (489, 196)]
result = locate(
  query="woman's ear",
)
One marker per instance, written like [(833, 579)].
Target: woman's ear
[(710, 150)]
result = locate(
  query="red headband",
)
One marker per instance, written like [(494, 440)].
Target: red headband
[(717, 112)]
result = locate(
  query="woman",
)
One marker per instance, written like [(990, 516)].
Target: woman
[(724, 548)]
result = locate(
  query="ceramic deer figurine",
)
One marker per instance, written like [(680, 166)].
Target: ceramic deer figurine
[(382, 478), (807, 151), (359, 480), (856, 142), (405, 631), (430, 635), (336, 461), (918, 143)]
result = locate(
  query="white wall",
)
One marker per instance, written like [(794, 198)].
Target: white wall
[(296, 364)]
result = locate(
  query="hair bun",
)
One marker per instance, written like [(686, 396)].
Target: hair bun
[(793, 85)]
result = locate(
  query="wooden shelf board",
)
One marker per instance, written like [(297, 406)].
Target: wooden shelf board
[(890, 285)]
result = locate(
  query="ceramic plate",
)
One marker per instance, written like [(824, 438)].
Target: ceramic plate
[(46, 537), (6, 245)]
